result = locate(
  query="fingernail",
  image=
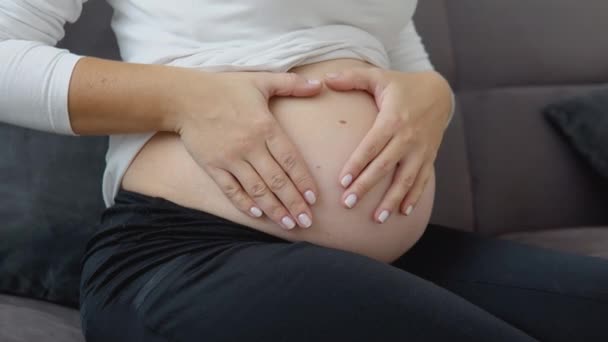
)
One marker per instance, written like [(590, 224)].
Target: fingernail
[(351, 200), (305, 220), (346, 180), (310, 197), (314, 82), (409, 210), (383, 216), (288, 222), (255, 211), (332, 75)]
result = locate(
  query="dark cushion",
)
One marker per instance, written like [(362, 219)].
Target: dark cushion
[(50, 187), (583, 121)]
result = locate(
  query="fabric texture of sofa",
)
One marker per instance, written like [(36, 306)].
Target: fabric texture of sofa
[(502, 169)]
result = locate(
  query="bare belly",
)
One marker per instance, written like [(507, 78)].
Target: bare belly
[(326, 129)]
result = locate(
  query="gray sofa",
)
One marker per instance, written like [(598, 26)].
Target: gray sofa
[(502, 170)]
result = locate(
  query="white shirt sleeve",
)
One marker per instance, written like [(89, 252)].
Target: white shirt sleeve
[(409, 55), (34, 75)]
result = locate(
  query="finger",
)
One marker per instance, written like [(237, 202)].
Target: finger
[(288, 84), (403, 180), (255, 186), (367, 79), (381, 166), (291, 161), (374, 141), (412, 197), (234, 191), (282, 187)]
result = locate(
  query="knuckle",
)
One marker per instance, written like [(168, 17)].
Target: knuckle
[(375, 72), (290, 79), (277, 182), (385, 165), (289, 162), (276, 211), (371, 151), (301, 181), (258, 189), (263, 126), (408, 182), (231, 190), (361, 187), (296, 205), (393, 122)]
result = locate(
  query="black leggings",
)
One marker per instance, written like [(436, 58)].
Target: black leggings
[(156, 271)]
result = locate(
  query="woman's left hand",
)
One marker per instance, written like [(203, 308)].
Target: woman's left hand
[(413, 113)]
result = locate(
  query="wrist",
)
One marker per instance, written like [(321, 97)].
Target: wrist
[(180, 94), (444, 97)]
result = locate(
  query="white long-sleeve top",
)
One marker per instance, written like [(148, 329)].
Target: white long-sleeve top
[(209, 35)]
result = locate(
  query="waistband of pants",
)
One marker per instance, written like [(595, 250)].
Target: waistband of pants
[(135, 213)]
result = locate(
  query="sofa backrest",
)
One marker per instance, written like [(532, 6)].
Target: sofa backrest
[(502, 167)]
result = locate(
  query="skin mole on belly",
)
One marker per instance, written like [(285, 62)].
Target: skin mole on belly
[(343, 122)]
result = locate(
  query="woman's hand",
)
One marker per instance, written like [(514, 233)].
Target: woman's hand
[(225, 124), (413, 114)]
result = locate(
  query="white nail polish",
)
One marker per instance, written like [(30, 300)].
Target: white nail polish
[(383, 216), (351, 200), (255, 211), (288, 222), (305, 220), (346, 180), (409, 210), (310, 197)]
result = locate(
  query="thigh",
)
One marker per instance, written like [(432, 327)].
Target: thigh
[(552, 296), (271, 291)]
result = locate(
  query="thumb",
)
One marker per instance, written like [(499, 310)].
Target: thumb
[(288, 84), (367, 79)]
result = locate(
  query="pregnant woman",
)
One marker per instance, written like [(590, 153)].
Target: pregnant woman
[(270, 164)]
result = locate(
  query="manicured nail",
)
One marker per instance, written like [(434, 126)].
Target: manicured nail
[(332, 75), (346, 180), (255, 211), (305, 220), (383, 216), (409, 210), (288, 222), (351, 200), (314, 82), (310, 197)]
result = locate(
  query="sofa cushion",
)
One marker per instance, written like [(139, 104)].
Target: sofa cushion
[(26, 320), (524, 174), (584, 122), (592, 241)]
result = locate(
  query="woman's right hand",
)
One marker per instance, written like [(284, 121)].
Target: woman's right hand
[(226, 126)]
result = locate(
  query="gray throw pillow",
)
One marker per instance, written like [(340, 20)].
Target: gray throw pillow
[(50, 200), (584, 123)]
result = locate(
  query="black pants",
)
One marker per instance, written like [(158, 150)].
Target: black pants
[(156, 271)]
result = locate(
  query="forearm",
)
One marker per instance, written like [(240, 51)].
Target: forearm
[(109, 97)]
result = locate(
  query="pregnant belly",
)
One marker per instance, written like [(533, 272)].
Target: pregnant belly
[(326, 129)]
